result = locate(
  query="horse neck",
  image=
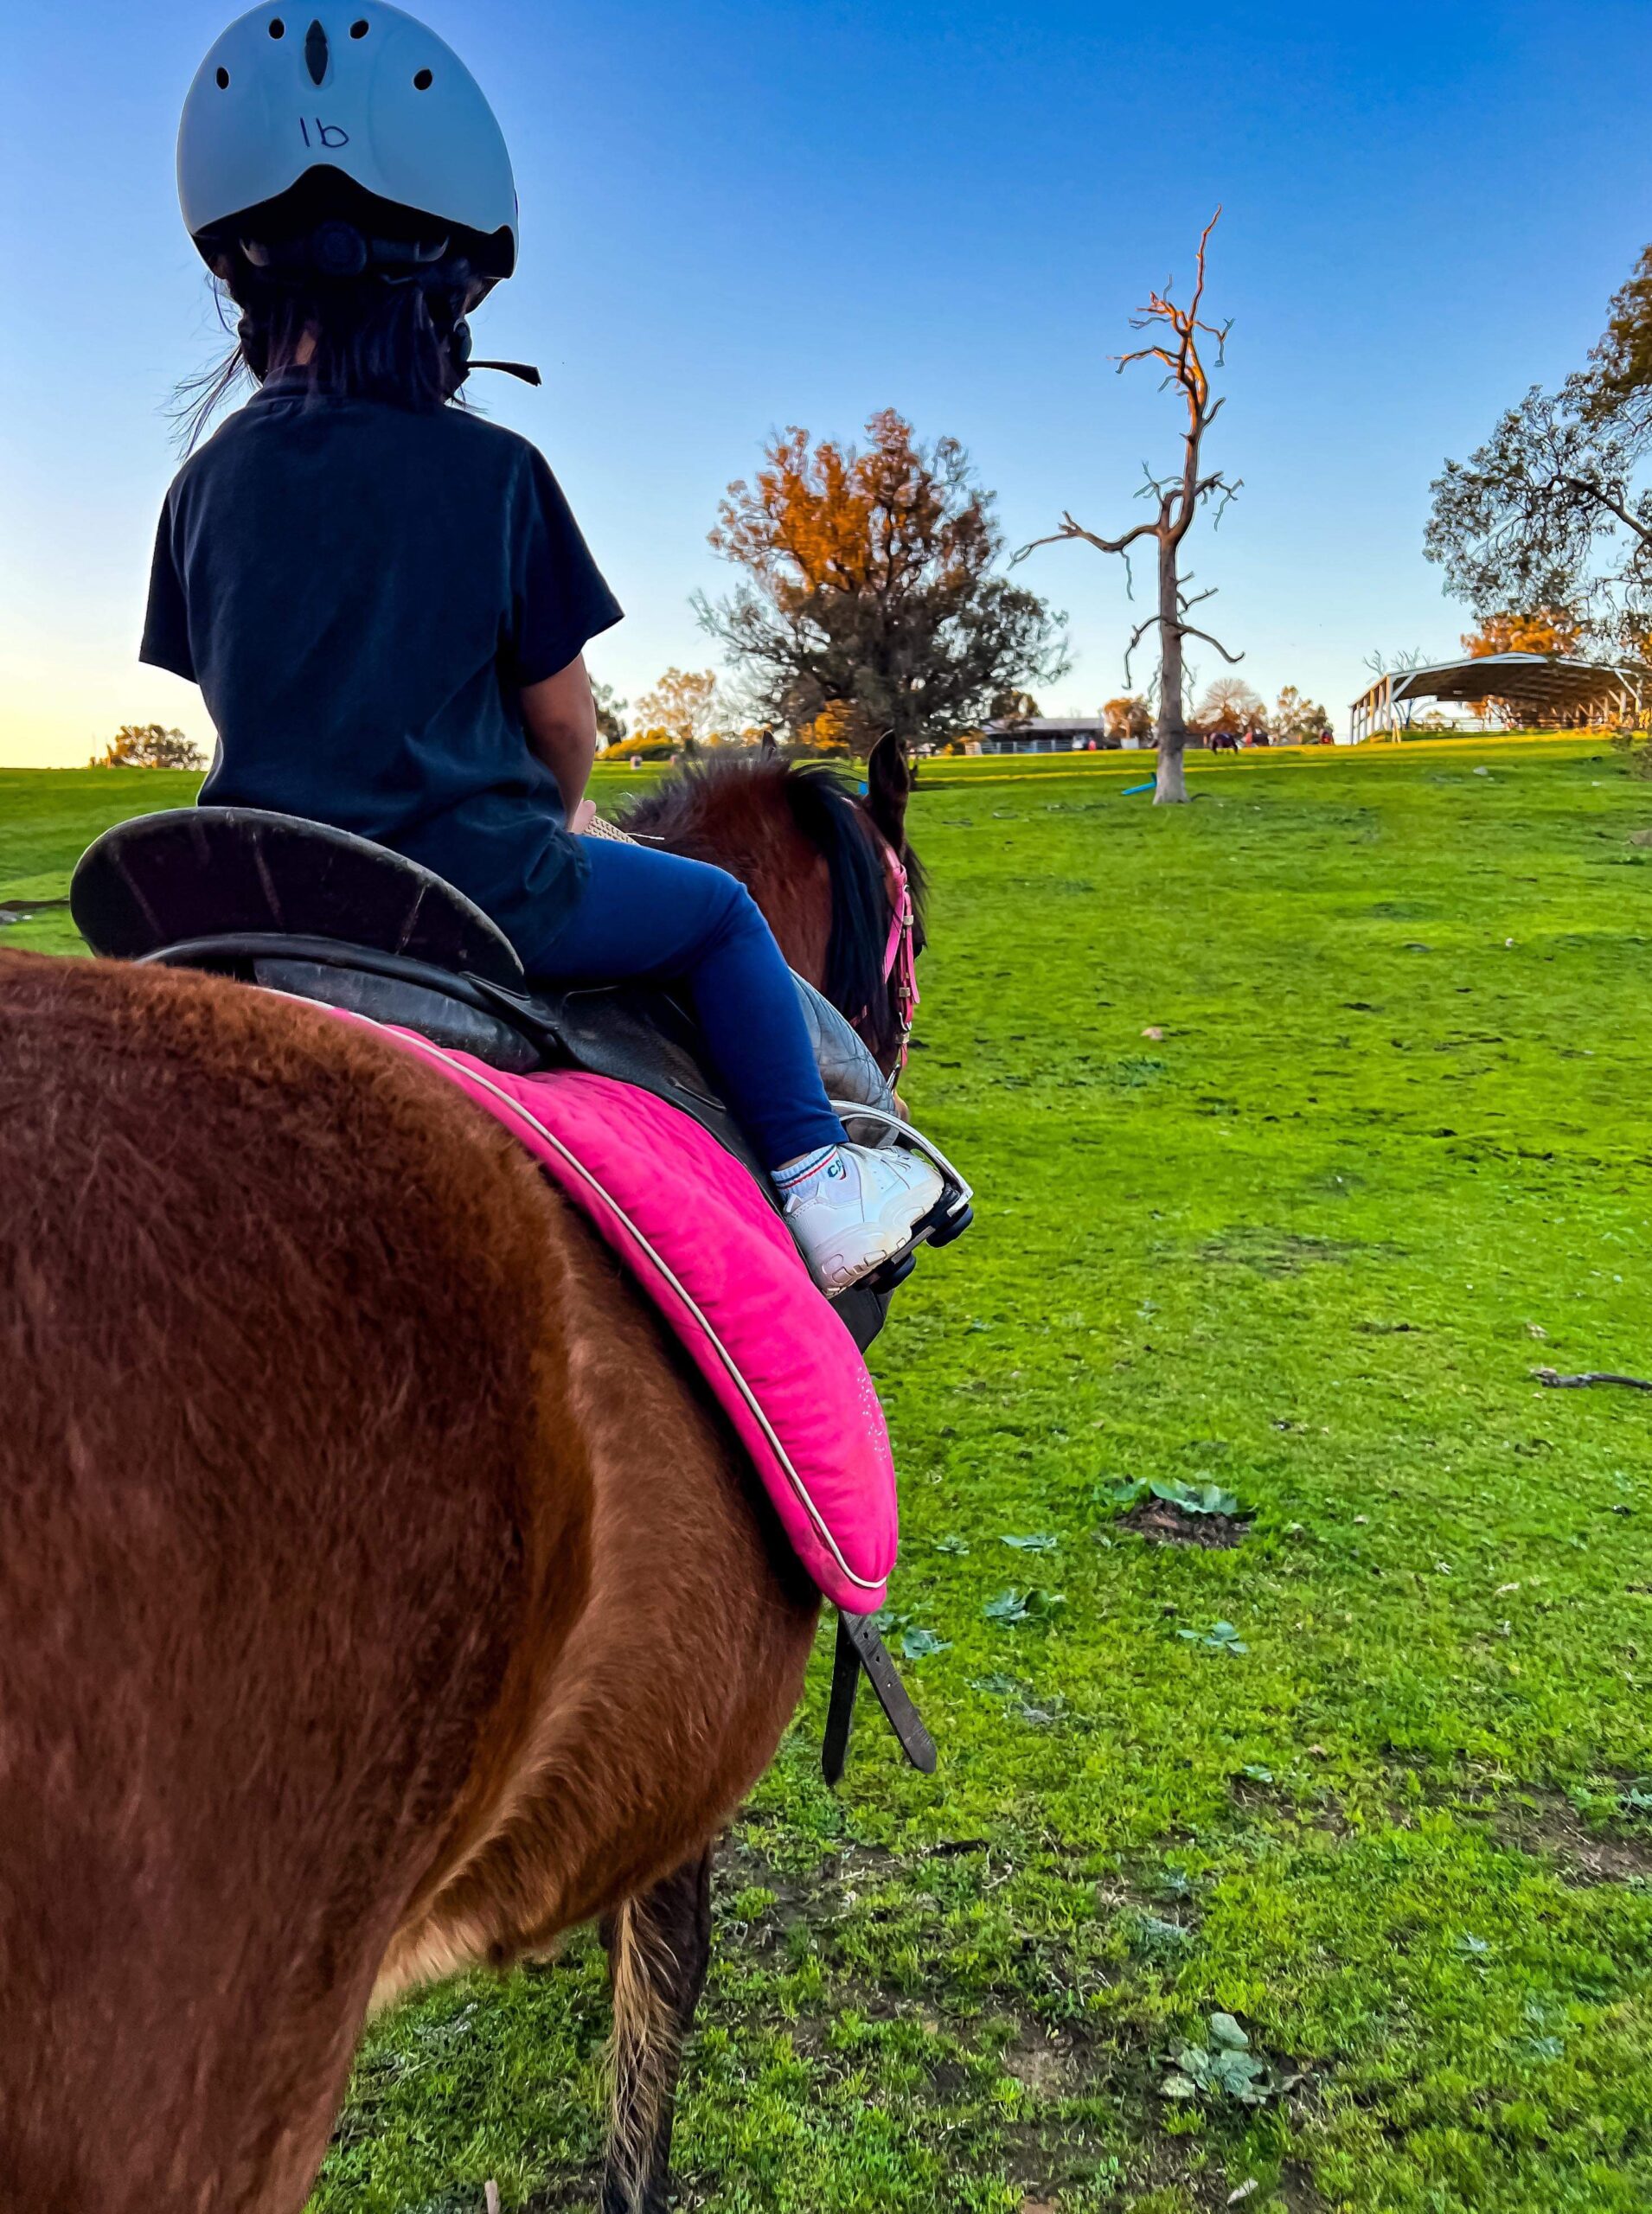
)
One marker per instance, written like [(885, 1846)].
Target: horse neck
[(754, 822), (753, 834)]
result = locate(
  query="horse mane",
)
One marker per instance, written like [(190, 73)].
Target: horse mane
[(719, 809)]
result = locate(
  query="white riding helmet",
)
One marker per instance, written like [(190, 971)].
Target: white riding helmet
[(357, 88)]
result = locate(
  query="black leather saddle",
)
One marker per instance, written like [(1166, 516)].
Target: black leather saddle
[(299, 907)]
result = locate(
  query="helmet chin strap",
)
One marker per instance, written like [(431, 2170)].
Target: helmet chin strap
[(459, 341), (525, 370), (255, 354)]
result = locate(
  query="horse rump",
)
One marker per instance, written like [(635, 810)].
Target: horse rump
[(264, 1555)]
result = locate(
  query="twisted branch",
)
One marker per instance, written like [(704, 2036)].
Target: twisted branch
[(1071, 529), (1188, 632)]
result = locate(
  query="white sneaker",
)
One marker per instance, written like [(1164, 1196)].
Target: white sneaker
[(858, 1210)]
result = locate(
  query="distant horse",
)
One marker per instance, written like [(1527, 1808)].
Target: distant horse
[(379, 1594)]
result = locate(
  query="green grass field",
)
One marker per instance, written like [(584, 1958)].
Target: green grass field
[(1388, 1150)]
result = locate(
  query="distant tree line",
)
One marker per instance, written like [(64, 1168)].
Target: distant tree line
[(149, 745)]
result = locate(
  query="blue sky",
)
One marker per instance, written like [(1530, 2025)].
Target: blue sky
[(737, 217)]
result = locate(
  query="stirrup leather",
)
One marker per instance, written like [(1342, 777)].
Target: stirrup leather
[(858, 1647)]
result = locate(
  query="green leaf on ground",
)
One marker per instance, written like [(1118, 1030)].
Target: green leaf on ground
[(1220, 1637), (1034, 1605), (918, 1644)]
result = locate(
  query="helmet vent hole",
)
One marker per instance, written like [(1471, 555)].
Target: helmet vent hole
[(223, 80), (278, 28), (422, 82), (359, 28)]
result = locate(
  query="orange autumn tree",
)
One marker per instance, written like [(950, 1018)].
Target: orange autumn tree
[(1128, 716), (869, 600), (838, 728), (1544, 630)]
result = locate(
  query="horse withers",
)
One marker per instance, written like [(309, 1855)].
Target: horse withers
[(378, 1593)]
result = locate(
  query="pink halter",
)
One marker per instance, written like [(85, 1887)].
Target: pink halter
[(900, 954)]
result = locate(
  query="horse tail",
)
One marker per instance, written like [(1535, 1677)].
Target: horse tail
[(659, 1949), (640, 2059), (831, 818)]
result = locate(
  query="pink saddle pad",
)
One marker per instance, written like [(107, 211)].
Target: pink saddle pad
[(721, 1267)]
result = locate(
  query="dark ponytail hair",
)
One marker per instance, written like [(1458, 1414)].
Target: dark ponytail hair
[(384, 317)]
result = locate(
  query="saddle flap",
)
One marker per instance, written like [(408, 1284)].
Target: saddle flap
[(846, 1067), (433, 1007)]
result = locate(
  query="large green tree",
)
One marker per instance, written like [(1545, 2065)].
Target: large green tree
[(1555, 511), (870, 596)]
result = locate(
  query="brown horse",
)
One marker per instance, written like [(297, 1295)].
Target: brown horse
[(378, 1594)]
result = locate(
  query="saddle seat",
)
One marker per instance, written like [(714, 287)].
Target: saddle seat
[(299, 907)]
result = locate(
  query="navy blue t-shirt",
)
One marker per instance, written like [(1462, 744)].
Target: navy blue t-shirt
[(362, 591)]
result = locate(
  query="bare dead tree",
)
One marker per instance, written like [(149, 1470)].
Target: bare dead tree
[(1176, 499)]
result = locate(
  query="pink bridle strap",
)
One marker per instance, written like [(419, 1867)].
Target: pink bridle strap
[(901, 953)]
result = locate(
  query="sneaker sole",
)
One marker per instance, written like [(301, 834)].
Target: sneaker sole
[(838, 1274)]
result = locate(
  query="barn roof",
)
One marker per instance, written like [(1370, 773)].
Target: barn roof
[(1545, 679), (1540, 681)]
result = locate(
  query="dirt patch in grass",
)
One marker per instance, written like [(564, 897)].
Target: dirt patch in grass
[(1059, 2067), (1064, 2144), (1170, 2179), (1162, 1524), (1275, 1252), (1585, 1856), (1295, 2194)]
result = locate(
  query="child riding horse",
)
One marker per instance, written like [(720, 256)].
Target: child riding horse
[(386, 600)]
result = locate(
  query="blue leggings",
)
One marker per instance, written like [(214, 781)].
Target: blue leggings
[(642, 913)]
